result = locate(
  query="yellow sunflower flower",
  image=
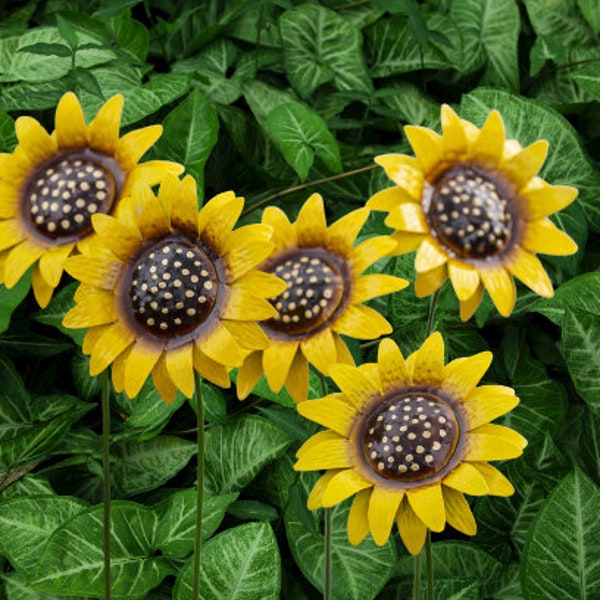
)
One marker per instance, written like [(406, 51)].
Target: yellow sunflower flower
[(472, 206), (409, 438), (167, 290), (323, 299), (52, 184)]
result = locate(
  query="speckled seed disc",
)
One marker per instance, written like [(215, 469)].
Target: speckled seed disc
[(470, 213), (62, 196), (173, 288), (410, 436), (315, 287)]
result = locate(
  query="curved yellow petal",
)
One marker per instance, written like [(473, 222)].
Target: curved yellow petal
[(429, 256), (9, 200), (249, 374), (458, 513), (315, 498), (390, 198), (297, 379), (501, 288), (357, 387), (469, 306), (429, 361), (467, 479), (343, 485), (20, 258), (116, 339), (210, 369), (463, 374), (92, 336), (311, 225), (497, 483), (361, 322), (428, 504), (393, 371), (162, 381), (430, 282), (412, 529), (96, 308), (329, 454), (343, 354), (277, 361), (320, 350), (52, 263), (545, 237), (454, 138), (133, 145), (358, 524), (341, 235), (524, 166), (406, 242), (121, 240), (70, 128), (269, 285), (216, 230), (150, 173), (331, 412), (247, 334), (546, 200), (428, 147), (179, 363), (240, 259), (103, 131), (408, 217), (141, 360), (315, 440), (465, 278), (489, 144), (243, 305), (488, 402), (150, 218), (118, 371), (405, 172), (383, 507), (284, 233), (370, 251), (41, 289), (11, 233), (94, 271), (221, 346), (528, 268), (493, 442), (35, 141)]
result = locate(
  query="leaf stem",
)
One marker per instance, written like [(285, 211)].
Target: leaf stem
[(429, 566), (105, 401), (303, 186), (417, 577), (200, 486), (431, 314)]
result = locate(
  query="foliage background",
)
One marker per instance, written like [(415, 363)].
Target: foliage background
[(261, 96)]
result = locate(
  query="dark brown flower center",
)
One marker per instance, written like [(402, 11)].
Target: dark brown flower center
[(470, 212), (63, 194), (315, 289), (410, 436), (173, 289)]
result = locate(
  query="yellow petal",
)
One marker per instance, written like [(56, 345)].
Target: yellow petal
[(297, 379), (20, 258), (357, 387), (493, 442), (216, 231), (524, 166), (162, 381), (489, 144), (118, 371), (247, 334), (248, 234), (249, 374), (488, 402), (501, 288), (528, 268), (458, 513), (390, 198), (284, 233), (463, 374), (94, 271), (132, 146), (320, 350), (428, 147), (549, 199), (179, 363), (411, 528), (406, 242), (429, 257), (35, 141), (221, 346), (315, 498), (41, 290), (311, 225), (92, 336), (245, 306), (465, 279), (315, 440), (116, 339), (277, 360), (429, 361), (383, 507), (52, 263), (341, 235), (140, 362), (150, 173), (241, 259), (211, 370), (96, 308), (9, 200), (455, 140), (430, 282), (329, 454), (466, 478), (370, 251), (343, 485), (150, 218), (11, 233), (407, 217), (15, 168), (361, 322), (358, 524), (545, 237), (331, 412), (262, 284), (469, 306), (123, 241), (428, 504), (343, 354), (392, 366), (103, 131), (404, 171), (222, 206), (70, 126), (497, 483)]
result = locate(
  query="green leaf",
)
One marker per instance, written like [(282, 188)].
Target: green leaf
[(47, 49), (392, 48), (11, 299), (241, 563), (33, 96), (85, 80), (360, 572), (301, 135), (320, 46), (588, 77), (238, 450), (591, 11), (190, 132), (490, 30), (561, 553), (526, 121), (580, 347), (143, 466), (72, 560), (131, 36), (18, 588), (252, 510), (406, 102), (53, 315), (177, 520), (8, 137), (67, 32), (26, 523)]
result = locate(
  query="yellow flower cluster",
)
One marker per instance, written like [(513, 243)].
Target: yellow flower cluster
[(168, 289)]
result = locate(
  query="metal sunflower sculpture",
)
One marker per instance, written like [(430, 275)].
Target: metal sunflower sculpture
[(167, 290), (323, 298), (52, 184), (473, 207), (409, 438)]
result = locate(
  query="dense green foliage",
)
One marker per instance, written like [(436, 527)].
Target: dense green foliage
[(259, 97)]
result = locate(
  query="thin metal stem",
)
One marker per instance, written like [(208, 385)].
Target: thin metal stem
[(105, 401), (200, 488), (417, 577), (429, 567)]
